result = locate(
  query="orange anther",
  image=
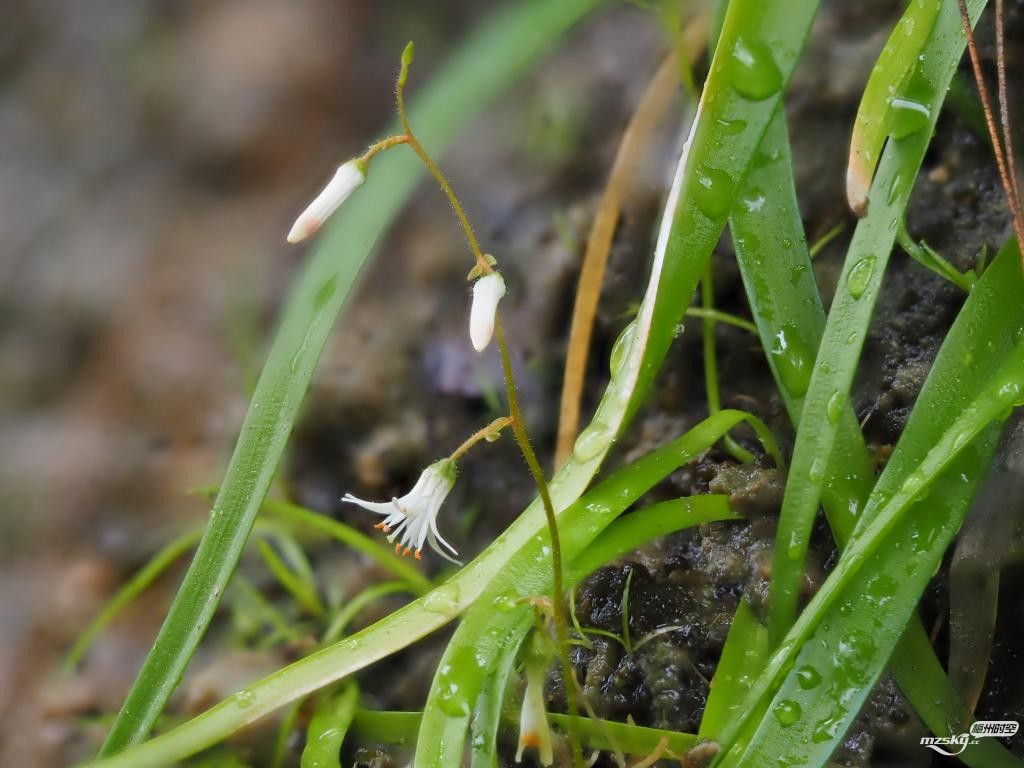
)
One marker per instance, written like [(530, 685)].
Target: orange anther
[(398, 548), (406, 552), (418, 555)]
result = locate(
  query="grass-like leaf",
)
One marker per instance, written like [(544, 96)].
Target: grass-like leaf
[(419, 618), (785, 283), (775, 265), (327, 728), (843, 640), (473, 76), (401, 727), (851, 312), (890, 104)]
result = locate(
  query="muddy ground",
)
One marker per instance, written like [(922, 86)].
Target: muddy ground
[(156, 151)]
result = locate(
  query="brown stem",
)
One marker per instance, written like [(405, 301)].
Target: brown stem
[(1009, 186), (414, 143), (1004, 109), (481, 434), (380, 146), (558, 597)]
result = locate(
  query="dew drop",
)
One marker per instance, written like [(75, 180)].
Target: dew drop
[(245, 699), (859, 276), (1010, 392), (713, 192), (895, 187), (731, 127), (753, 201), (834, 408), (444, 600), (504, 602), (808, 677), (754, 72), (796, 273), (792, 360), (828, 728), (592, 440), (817, 471), (881, 588), (621, 349), (325, 292), (787, 712)]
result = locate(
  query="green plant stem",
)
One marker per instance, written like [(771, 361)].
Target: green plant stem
[(515, 413), (819, 245), (380, 146), (331, 720), (707, 294), (931, 260), (489, 432), (721, 317), (435, 170), (558, 588), (303, 592)]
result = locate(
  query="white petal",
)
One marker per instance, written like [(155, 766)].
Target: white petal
[(347, 179), (534, 730), (432, 539), (377, 507), (487, 292), (438, 537)]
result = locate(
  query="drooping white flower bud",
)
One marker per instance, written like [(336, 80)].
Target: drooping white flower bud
[(347, 179), (487, 292), (534, 729), (413, 517)]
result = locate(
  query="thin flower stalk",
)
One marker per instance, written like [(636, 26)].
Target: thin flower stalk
[(484, 267)]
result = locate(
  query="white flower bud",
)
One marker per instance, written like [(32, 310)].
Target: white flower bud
[(534, 730), (347, 179), (487, 292)]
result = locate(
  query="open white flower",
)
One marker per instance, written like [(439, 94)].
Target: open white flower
[(414, 516), (487, 292), (347, 179)]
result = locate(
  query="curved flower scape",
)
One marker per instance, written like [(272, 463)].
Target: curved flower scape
[(413, 517)]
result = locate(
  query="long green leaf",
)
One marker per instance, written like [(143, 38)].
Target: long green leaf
[(782, 292), (851, 312), (775, 265), (877, 582), (473, 76)]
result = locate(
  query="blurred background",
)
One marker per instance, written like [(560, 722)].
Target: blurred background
[(153, 154)]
